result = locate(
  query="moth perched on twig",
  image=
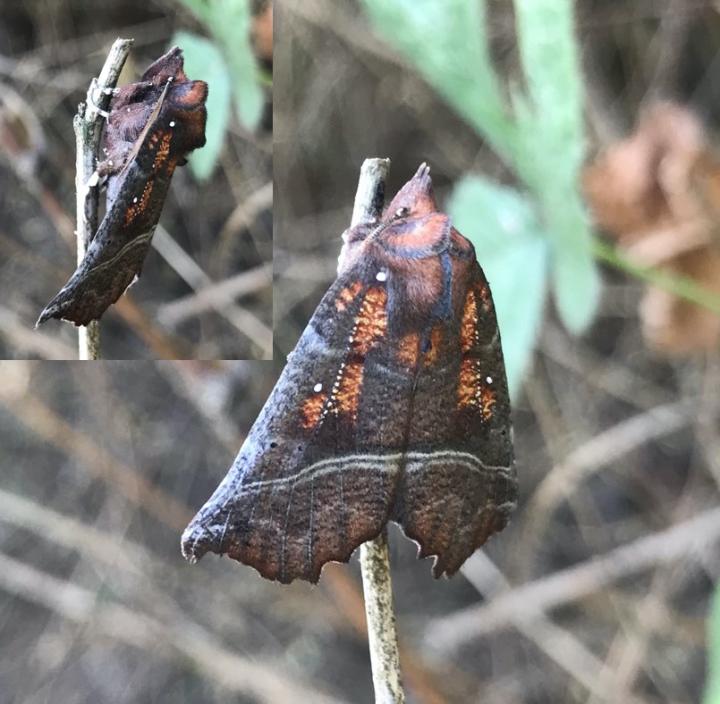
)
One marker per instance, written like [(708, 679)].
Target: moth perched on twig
[(393, 407), (151, 127)]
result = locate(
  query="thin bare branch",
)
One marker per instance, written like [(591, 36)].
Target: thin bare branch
[(219, 665), (687, 540), (185, 266), (216, 296), (88, 131)]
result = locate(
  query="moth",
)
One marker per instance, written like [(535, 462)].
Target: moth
[(393, 407), (152, 126)]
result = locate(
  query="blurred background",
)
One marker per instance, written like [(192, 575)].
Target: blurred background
[(583, 166), (205, 290)]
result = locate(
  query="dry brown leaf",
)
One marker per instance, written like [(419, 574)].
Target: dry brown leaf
[(658, 193)]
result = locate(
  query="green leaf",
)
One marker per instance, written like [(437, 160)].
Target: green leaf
[(542, 139), (203, 59), (447, 43), (549, 53), (576, 279), (229, 23), (503, 226), (712, 686), (551, 153)]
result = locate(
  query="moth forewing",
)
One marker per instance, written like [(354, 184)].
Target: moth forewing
[(175, 125), (393, 406)]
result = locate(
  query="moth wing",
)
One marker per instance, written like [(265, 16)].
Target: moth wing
[(459, 484), (316, 476), (111, 263), (116, 253)]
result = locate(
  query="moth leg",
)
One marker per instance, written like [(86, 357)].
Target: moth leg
[(91, 99)]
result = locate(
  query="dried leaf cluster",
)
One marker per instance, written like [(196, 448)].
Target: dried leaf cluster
[(658, 193)]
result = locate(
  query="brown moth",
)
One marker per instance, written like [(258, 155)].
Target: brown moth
[(393, 407), (152, 126)]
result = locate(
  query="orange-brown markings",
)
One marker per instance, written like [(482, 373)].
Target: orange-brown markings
[(468, 326), (347, 296), (432, 355), (484, 293), (409, 349), (468, 383), (312, 410), (370, 326), (143, 201), (371, 322), (347, 396), (408, 352), (487, 402), (161, 159), (163, 152), (473, 392)]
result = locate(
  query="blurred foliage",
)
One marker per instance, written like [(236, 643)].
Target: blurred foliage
[(202, 58), (541, 139), (513, 249), (229, 64)]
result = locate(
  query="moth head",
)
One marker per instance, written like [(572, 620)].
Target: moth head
[(414, 199), (169, 65)]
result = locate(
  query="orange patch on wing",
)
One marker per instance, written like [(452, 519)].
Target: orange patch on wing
[(371, 322), (472, 390), (347, 396), (432, 355), (484, 294), (370, 326), (141, 205), (468, 383), (487, 402), (347, 296), (312, 410), (468, 326), (409, 349), (163, 152)]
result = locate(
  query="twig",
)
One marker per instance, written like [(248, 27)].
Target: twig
[(382, 634), (374, 557), (684, 287), (103, 618), (88, 130), (245, 213), (194, 276), (559, 644), (604, 448), (684, 541), (44, 346), (215, 295), (94, 458)]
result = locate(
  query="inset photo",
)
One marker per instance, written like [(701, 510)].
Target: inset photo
[(136, 184)]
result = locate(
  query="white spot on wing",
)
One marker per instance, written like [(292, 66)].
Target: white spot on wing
[(317, 388)]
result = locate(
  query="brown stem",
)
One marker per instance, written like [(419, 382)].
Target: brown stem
[(88, 131), (374, 557)]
